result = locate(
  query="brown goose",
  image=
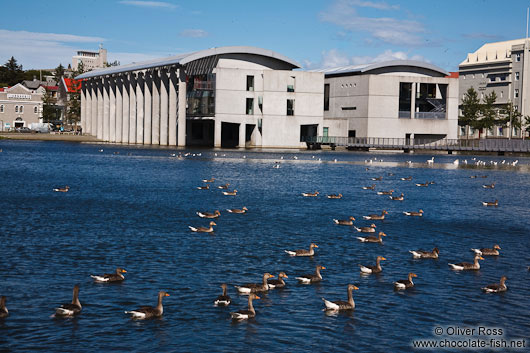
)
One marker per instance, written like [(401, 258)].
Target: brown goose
[(344, 222), (203, 229), (373, 269), (466, 266), (279, 282), (490, 186), (224, 299), (405, 283), (389, 192), (414, 214), (397, 198), (370, 229), (379, 178), (72, 308), (494, 203), (237, 210), (310, 194), (376, 217), (373, 239), (422, 254), (230, 193), (255, 287), (3, 310), (208, 180), (148, 312), (246, 314), (303, 252), (205, 187), (224, 187), (423, 184), (488, 252), (216, 214), (341, 304), (65, 189), (312, 278), (496, 287), (335, 196), (407, 178), (369, 187), (111, 277)]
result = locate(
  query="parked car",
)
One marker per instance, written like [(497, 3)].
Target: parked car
[(23, 129)]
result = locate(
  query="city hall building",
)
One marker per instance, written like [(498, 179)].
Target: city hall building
[(392, 99), (220, 97)]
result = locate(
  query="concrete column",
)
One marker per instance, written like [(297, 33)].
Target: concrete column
[(155, 123), (172, 121), (242, 134), (112, 118), (119, 109), (125, 109), (83, 106), (106, 109), (99, 134), (148, 107), (181, 141), (217, 133), (140, 108), (94, 110), (132, 108), (413, 101), (164, 82), (87, 128)]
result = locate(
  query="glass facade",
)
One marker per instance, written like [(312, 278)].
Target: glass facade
[(200, 95)]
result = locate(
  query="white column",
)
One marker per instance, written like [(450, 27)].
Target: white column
[(148, 105), (155, 122), (99, 134), (140, 108), (119, 109), (163, 107), (172, 121), (132, 108), (217, 133), (181, 141), (106, 109), (83, 105), (242, 135), (413, 101), (94, 110), (112, 118), (125, 110), (87, 128)]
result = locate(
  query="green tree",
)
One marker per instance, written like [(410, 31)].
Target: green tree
[(59, 73), (509, 117), (526, 126), (49, 107), (73, 109), (488, 114), (30, 74), (11, 73), (80, 69), (470, 109)]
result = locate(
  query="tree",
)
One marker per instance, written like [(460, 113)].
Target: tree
[(470, 109), (59, 73), (509, 117), (73, 109), (79, 71), (49, 108), (488, 114), (11, 73), (526, 124), (30, 74)]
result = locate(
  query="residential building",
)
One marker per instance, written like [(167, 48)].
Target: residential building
[(91, 59), (220, 97), (499, 67), (20, 106), (392, 99)]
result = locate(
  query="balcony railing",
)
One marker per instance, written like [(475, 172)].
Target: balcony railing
[(429, 115), (404, 114)]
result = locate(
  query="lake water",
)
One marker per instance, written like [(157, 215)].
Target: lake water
[(133, 210)]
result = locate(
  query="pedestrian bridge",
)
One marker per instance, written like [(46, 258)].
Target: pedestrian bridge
[(409, 144)]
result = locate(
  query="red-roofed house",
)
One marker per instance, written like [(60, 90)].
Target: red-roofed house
[(68, 87)]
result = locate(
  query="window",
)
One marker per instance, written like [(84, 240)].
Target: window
[(21, 109), (260, 104), (290, 107), (250, 83), (473, 76), (516, 107), (517, 76), (325, 131), (502, 94), (16, 108), (517, 57), (464, 77), (492, 78), (35, 110), (1, 108), (516, 93), (290, 84), (326, 96), (250, 106), (349, 108)]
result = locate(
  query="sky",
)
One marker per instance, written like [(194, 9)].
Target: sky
[(317, 34)]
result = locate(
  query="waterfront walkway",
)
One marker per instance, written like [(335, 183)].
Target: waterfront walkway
[(365, 143)]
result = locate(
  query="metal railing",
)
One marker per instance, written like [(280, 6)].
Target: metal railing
[(429, 115), (404, 114), (486, 145)]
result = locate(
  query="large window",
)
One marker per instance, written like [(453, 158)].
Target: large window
[(326, 96), (405, 99), (250, 83), (250, 106), (201, 95), (290, 84), (290, 107)]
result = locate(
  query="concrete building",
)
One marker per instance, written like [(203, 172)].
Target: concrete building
[(20, 106), (91, 59), (219, 97), (499, 67), (397, 99)]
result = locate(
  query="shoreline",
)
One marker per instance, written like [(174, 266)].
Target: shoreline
[(47, 137)]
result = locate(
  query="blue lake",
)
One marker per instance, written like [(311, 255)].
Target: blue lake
[(131, 207)]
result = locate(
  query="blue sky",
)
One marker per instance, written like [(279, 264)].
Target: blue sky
[(42, 34)]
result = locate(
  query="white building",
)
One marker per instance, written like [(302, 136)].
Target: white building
[(393, 99), (20, 106), (220, 97), (91, 59)]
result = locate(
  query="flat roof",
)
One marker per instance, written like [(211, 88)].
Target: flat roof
[(183, 59), (364, 68)]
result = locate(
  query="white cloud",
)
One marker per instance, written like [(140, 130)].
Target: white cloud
[(128, 58), (335, 58), (193, 33), (343, 13), (153, 4)]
